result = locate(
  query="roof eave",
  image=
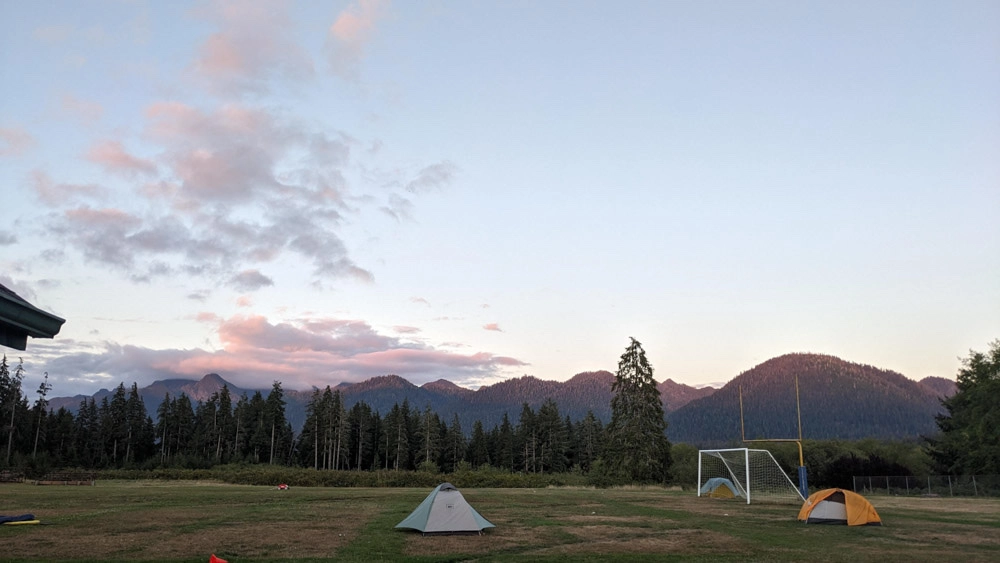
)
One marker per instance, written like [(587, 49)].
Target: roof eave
[(32, 320)]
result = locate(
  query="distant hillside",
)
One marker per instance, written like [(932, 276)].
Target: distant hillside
[(588, 391), (942, 387), (838, 399)]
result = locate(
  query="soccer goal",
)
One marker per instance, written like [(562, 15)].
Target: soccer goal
[(744, 473)]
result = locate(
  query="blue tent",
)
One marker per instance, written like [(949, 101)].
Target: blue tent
[(445, 511), (719, 487)]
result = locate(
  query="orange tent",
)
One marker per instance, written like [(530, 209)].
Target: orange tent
[(837, 506)]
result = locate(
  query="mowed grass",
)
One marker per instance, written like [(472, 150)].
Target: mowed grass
[(188, 521)]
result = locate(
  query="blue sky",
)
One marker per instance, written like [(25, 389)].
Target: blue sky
[(318, 192)]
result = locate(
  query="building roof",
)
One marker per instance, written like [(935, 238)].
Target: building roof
[(20, 319)]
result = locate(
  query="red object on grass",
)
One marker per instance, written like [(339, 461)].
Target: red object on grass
[(214, 559), (282, 487)]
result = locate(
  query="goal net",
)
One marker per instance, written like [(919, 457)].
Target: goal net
[(743, 473)]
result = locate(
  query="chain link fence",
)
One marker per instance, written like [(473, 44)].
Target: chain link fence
[(930, 485)]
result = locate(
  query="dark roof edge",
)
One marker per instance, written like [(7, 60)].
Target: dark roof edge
[(20, 314)]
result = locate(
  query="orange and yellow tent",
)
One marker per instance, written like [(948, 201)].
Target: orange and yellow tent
[(837, 506)]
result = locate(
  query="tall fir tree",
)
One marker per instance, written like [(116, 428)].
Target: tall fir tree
[(637, 448), (969, 441)]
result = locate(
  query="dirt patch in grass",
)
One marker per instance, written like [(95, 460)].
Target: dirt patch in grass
[(944, 534), (942, 504), (509, 538), (607, 540), (177, 533), (600, 518)]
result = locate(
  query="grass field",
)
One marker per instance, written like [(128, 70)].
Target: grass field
[(188, 521)]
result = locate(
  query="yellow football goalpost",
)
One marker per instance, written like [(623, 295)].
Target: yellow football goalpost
[(803, 481)]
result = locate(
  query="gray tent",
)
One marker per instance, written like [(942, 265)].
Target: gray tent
[(445, 511)]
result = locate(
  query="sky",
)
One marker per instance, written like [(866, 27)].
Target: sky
[(318, 192)]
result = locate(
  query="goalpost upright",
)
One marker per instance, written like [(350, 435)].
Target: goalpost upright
[(803, 481)]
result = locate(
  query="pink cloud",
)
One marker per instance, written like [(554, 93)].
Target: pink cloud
[(88, 216), (56, 193), (405, 329), (349, 34), (492, 326), (256, 351), (311, 352), (206, 317), (226, 155), (244, 301), (15, 141), (255, 43), (111, 155)]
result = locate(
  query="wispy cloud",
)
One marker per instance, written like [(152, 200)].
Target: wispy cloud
[(321, 351), (233, 188), (250, 280), (492, 326), (59, 193), (15, 141), (113, 157), (253, 47), (433, 177), (350, 33)]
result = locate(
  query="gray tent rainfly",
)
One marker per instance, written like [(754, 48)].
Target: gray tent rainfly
[(20, 319), (445, 510)]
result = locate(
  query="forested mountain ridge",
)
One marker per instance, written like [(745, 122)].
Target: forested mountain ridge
[(943, 387), (838, 399), (587, 391)]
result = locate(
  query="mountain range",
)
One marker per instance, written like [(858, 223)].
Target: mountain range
[(838, 399)]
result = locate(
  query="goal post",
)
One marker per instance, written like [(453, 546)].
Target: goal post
[(744, 473)]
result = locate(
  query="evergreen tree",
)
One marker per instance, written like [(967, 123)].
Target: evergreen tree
[(281, 438), (88, 434), (10, 403), (140, 437), (362, 436), (428, 438), (164, 416), (40, 412), (312, 431), (478, 454), (336, 430), (969, 442), (638, 449), (527, 440), (504, 444), (454, 452), (590, 441), (552, 438)]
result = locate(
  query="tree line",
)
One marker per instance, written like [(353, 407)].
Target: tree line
[(117, 432)]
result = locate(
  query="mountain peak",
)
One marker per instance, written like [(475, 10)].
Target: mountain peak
[(391, 381), (446, 387), (203, 389)]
